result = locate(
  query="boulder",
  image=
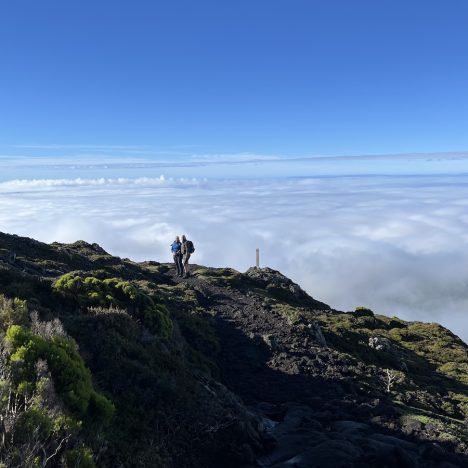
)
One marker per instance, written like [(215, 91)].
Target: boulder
[(380, 343), (349, 426), (317, 334), (395, 441), (411, 426), (288, 446), (272, 342), (329, 454)]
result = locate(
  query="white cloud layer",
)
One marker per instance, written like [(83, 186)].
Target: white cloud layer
[(397, 244)]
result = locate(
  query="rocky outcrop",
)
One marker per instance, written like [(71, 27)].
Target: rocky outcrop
[(302, 437), (385, 345), (280, 287), (381, 344), (317, 333)]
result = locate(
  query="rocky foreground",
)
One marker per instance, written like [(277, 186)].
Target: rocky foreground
[(222, 369)]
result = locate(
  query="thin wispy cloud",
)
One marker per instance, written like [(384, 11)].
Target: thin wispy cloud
[(78, 146), (183, 150)]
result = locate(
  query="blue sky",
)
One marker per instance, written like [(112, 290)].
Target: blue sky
[(268, 77), (332, 135)]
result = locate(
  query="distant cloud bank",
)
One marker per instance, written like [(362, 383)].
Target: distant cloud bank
[(395, 243), (22, 184)]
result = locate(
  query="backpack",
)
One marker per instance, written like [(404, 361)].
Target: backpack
[(189, 247)]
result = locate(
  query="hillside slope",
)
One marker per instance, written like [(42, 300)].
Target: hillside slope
[(117, 363)]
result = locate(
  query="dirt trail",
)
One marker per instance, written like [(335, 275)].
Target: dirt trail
[(263, 357)]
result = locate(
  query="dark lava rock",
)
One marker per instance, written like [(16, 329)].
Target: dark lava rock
[(349, 426), (328, 454), (411, 426), (395, 441)]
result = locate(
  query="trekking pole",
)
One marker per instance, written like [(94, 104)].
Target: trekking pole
[(257, 252)]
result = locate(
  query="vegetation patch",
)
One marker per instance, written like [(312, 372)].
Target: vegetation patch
[(289, 312), (71, 378), (90, 291)]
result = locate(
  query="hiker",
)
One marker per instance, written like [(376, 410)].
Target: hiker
[(187, 250), (177, 254)]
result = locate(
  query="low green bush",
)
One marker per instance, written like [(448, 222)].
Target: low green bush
[(112, 292), (92, 291), (71, 377), (32, 422), (12, 311), (81, 457), (100, 408), (361, 311)]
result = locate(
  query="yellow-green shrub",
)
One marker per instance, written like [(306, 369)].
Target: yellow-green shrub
[(112, 292), (12, 311), (71, 377)]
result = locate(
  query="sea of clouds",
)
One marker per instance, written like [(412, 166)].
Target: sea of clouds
[(395, 242)]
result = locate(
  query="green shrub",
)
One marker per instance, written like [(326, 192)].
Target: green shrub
[(361, 311), (156, 319), (100, 408), (395, 322), (462, 403), (34, 422), (79, 458), (112, 292), (88, 291), (12, 312), (71, 377), (69, 284)]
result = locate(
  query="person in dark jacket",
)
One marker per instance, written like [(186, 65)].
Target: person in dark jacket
[(176, 249), (187, 250)]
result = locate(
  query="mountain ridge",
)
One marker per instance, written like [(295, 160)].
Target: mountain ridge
[(269, 375)]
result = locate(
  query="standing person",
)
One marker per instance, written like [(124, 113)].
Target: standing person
[(176, 247), (187, 250)]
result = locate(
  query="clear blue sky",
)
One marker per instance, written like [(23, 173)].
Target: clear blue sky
[(265, 76)]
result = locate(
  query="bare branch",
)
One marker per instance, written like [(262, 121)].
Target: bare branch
[(57, 450)]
